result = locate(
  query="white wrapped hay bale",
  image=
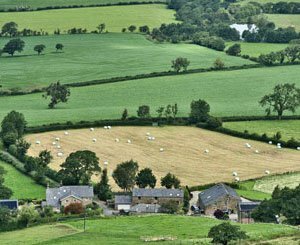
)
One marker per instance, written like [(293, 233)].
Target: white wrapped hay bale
[(38, 142), (53, 143), (92, 129), (117, 140), (60, 154), (206, 151), (66, 133), (234, 174), (270, 142), (105, 163), (94, 140), (248, 145), (256, 151), (161, 149), (57, 139), (129, 141), (236, 179), (267, 172)]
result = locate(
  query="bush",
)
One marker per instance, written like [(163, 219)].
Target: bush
[(213, 122), (170, 207), (219, 214), (74, 208)]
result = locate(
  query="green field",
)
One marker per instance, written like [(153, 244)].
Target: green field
[(256, 49), (288, 128), (230, 93), (132, 230), (33, 4), (268, 184), (93, 56), (285, 20), (37, 234), (265, 1), (115, 17), (21, 185), (248, 191)]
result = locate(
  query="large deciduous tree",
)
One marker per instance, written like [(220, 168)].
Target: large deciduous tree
[(79, 167), (225, 232), (10, 28), (45, 158), (14, 45), (169, 181), (199, 110), (39, 48), (143, 111), (145, 178), (125, 173), (101, 27), (180, 64), (285, 97), (59, 46), (58, 93)]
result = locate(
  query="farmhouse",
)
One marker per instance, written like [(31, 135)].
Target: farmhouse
[(156, 196), (220, 197), (65, 195), (245, 210)]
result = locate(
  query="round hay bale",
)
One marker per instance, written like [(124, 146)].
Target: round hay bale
[(161, 149), (206, 151), (234, 174), (94, 140), (57, 139), (66, 133), (108, 127), (92, 129), (117, 140), (270, 142), (148, 134), (256, 151), (105, 163), (38, 142), (60, 154), (278, 144), (53, 143), (237, 179), (267, 172), (58, 147), (129, 141), (298, 148), (105, 127)]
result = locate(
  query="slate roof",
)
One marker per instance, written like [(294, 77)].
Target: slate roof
[(158, 192), (54, 195), (145, 208), (248, 206), (123, 199), (10, 204), (216, 192)]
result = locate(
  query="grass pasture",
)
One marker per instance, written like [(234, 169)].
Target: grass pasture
[(132, 230), (91, 56), (285, 20), (21, 185), (288, 128), (33, 4), (228, 94), (115, 17), (256, 49), (36, 235), (183, 152), (269, 183)]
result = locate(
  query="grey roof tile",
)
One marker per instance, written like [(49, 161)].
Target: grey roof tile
[(123, 199), (216, 192), (158, 192)]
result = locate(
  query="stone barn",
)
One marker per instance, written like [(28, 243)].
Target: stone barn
[(220, 197)]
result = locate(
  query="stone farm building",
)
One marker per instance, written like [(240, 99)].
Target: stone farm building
[(156, 196), (144, 200), (245, 210), (65, 195), (220, 197)]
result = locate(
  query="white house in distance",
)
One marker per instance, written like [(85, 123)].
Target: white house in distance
[(244, 27)]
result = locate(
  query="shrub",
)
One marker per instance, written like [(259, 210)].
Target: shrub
[(74, 208), (213, 122), (170, 207)]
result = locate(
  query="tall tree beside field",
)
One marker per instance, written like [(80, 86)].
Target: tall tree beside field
[(12, 127), (79, 167), (14, 45), (58, 93), (45, 158), (102, 189), (10, 28), (39, 48), (143, 111), (144, 29), (101, 28), (199, 111), (124, 115), (59, 46), (169, 181), (285, 97), (145, 178), (180, 64), (125, 173)]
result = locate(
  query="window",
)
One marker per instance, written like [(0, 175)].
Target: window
[(139, 198), (155, 198)]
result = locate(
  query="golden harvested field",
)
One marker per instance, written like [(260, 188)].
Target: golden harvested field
[(183, 152)]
